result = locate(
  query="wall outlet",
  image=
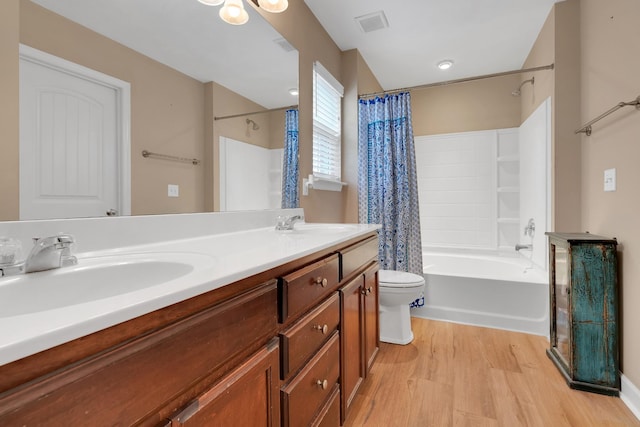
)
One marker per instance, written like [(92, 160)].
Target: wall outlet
[(173, 190), (610, 180)]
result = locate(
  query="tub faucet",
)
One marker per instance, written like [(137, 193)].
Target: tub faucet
[(525, 247), (286, 222), (530, 228)]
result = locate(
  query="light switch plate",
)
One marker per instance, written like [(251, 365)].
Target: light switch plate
[(173, 190), (610, 180)]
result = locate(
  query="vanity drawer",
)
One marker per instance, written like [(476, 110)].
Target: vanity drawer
[(329, 415), (302, 289), (306, 393), (130, 382), (357, 256), (299, 342)]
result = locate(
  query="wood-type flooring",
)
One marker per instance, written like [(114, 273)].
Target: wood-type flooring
[(460, 375)]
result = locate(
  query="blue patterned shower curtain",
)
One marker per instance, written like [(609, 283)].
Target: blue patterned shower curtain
[(290, 161), (387, 179)]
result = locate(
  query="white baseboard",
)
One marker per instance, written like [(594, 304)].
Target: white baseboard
[(630, 395)]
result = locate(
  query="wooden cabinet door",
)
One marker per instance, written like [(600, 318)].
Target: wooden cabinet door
[(371, 329), (246, 397), (351, 372)]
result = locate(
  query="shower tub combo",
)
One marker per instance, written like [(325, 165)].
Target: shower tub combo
[(484, 290)]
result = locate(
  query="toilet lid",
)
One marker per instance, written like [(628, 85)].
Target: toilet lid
[(399, 279)]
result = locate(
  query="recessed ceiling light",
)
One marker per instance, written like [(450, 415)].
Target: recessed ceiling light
[(293, 91), (445, 64)]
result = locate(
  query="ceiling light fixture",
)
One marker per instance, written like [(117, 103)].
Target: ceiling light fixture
[(445, 64), (293, 91), (211, 2), (274, 6), (233, 11)]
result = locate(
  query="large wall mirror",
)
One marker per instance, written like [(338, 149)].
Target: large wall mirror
[(192, 80)]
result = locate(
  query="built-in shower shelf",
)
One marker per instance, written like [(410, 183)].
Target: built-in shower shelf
[(508, 220), (508, 189), (510, 158)]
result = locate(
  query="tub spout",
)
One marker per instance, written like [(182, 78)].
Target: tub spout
[(526, 247)]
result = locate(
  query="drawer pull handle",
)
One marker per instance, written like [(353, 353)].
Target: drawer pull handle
[(322, 328), (366, 291), (322, 282), (323, 384)]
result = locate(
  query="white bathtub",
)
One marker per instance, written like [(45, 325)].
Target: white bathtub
[(492, 291)]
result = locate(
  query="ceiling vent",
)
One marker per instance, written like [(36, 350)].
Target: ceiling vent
[(284, 44), (372, 21)]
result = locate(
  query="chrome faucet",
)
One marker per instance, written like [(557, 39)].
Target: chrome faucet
[(286, 222), (526, 247), (50, 252), (47, 253)]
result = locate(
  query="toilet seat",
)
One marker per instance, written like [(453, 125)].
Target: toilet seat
[(399, 279)]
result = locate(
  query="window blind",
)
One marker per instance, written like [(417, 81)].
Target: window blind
[(327, 117)]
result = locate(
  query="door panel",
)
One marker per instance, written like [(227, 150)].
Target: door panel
[(68, 144)]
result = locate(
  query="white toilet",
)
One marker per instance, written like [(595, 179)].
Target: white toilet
[(397, 290)]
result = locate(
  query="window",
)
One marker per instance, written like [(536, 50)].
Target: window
[(327, 112)]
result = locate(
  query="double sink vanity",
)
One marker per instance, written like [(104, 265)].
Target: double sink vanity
[(223, 320)]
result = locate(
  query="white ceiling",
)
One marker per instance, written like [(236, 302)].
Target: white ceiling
[(190, 37), (480, 36)]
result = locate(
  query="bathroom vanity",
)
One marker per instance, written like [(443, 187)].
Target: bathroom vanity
[(289, 344)]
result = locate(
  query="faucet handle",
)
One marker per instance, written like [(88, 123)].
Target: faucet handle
[(10, 251), (66, 238)]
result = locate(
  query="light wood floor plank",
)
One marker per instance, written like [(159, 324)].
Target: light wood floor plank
[(463, 376)]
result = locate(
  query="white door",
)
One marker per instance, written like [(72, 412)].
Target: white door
[(69, 163)]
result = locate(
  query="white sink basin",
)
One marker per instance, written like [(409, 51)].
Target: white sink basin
[(94, 279)]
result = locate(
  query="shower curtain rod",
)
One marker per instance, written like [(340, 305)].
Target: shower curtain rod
[(233, 116), (463, 80)]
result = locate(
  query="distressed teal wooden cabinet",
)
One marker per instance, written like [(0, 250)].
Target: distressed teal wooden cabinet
[(583, 291)]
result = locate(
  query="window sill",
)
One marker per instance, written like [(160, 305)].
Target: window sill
[(318, 183)]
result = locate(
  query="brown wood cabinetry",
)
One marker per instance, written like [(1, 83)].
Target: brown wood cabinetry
[(351, 373), (371, 327), (303, 288), (311, 345), (268, 350), (138, 381), (247, 396), (304, 338), (306, 393), (359, 327)]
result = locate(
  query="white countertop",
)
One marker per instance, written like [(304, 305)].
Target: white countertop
[(223, 259)]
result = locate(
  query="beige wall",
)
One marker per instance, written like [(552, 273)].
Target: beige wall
[(609, 66), (559, 43), (583, 38), (298, 25), (167, 108), (566, 107), (9, 112), (478, 105), (357, 79)]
